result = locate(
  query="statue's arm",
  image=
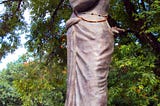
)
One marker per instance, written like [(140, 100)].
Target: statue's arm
[(82, 5)]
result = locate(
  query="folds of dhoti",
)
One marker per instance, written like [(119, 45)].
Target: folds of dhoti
[(89, 50)]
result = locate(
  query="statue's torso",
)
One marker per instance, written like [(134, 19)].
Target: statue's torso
[(91, 6)]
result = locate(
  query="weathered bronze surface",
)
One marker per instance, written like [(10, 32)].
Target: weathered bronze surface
[(90, 44)]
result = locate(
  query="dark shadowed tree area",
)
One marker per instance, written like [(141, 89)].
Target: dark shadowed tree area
[(38, 78)]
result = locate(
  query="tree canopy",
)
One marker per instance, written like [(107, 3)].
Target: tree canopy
[(134, 77)]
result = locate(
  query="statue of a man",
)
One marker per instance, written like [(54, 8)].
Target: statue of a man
[(90, 44)]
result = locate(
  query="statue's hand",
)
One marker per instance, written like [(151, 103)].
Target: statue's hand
[(117, 30)]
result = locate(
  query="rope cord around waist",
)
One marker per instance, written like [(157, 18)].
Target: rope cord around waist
[(91, 21)]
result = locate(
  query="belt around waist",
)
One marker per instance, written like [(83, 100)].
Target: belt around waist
[(92, 14)]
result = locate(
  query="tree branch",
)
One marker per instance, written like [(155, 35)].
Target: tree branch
[(3, 2), (55, 11), (143, 37), (19, 4), (53, 16)]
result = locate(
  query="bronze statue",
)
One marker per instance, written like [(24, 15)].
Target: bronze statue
[(90, 44)]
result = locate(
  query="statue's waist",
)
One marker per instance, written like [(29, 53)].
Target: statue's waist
[(86, 16), (91, 16)]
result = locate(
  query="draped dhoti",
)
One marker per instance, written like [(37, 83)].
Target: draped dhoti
[(89, 50)]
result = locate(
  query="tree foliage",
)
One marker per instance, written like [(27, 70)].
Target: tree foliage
[(132, 80), (40, 85), (31, 83), (12, 24), (135, 70), (8, 94)]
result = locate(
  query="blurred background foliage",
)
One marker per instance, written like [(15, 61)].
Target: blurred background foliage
[(38, 78)]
